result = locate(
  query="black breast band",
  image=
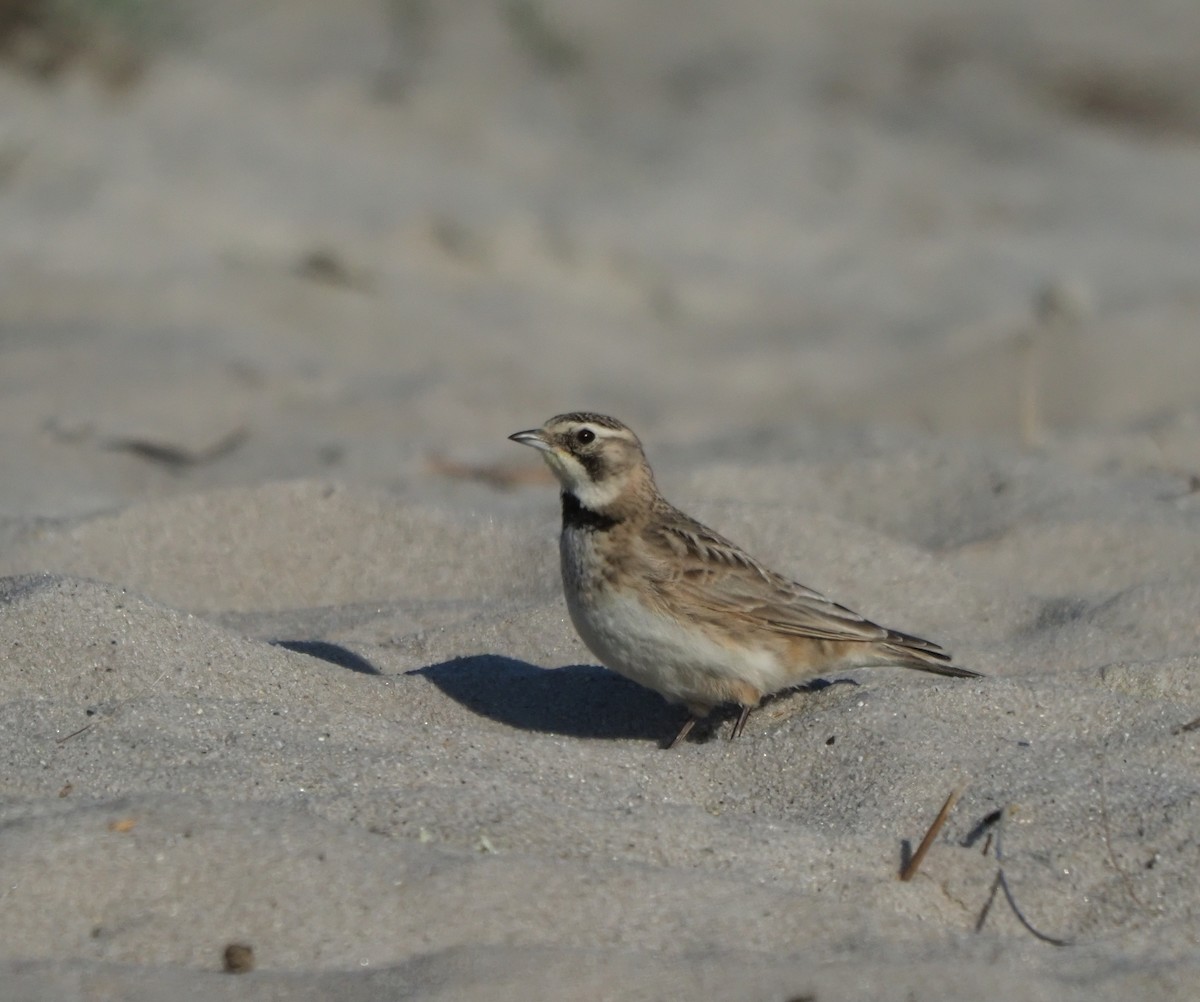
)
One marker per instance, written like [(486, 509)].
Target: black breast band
[(576, 516)]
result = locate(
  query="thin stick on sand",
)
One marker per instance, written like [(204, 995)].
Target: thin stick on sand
[(1106, 830), (85, 727), (99, 720), (1030, 350), (1001, 883), (914, 864), (503, 476)]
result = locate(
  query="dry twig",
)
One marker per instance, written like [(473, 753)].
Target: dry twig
[(148, 687), (1106, 830), (1001, 883), (910, 870), (499, 475)]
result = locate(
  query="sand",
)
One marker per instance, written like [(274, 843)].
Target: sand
[(901, 298)]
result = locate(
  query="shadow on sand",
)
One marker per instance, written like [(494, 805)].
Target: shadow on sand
[(335, 654), (583, 701)]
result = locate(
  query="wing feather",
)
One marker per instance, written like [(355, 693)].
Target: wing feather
[(707, 573)]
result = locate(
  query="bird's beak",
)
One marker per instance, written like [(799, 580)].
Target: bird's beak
[(534, 437)]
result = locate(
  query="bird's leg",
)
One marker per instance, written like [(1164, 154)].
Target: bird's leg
[(741, 722), (684, 731)]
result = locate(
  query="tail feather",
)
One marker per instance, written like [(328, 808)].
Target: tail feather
[(924, 655)]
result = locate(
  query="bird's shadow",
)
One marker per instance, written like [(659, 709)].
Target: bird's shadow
[(582, 701), (335, 654)]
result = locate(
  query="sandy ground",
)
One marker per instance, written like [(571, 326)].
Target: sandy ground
[(903, 298)]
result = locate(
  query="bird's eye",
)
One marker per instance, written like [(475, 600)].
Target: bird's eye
[(584, 436)]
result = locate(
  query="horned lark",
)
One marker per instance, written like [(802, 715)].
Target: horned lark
[(668, 603)]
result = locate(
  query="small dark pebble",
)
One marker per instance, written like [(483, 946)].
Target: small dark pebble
[(239, 958)]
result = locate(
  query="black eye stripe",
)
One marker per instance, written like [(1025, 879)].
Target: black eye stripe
[(593, 464)]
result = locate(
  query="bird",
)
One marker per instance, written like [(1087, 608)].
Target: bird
[(665, 601)]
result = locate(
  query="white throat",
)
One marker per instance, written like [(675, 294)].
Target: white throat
[(575, 480), (597, 496)]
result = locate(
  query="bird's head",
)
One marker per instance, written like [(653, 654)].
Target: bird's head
[(596, 458)]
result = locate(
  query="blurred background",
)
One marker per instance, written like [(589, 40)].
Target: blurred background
[(249, 240)]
